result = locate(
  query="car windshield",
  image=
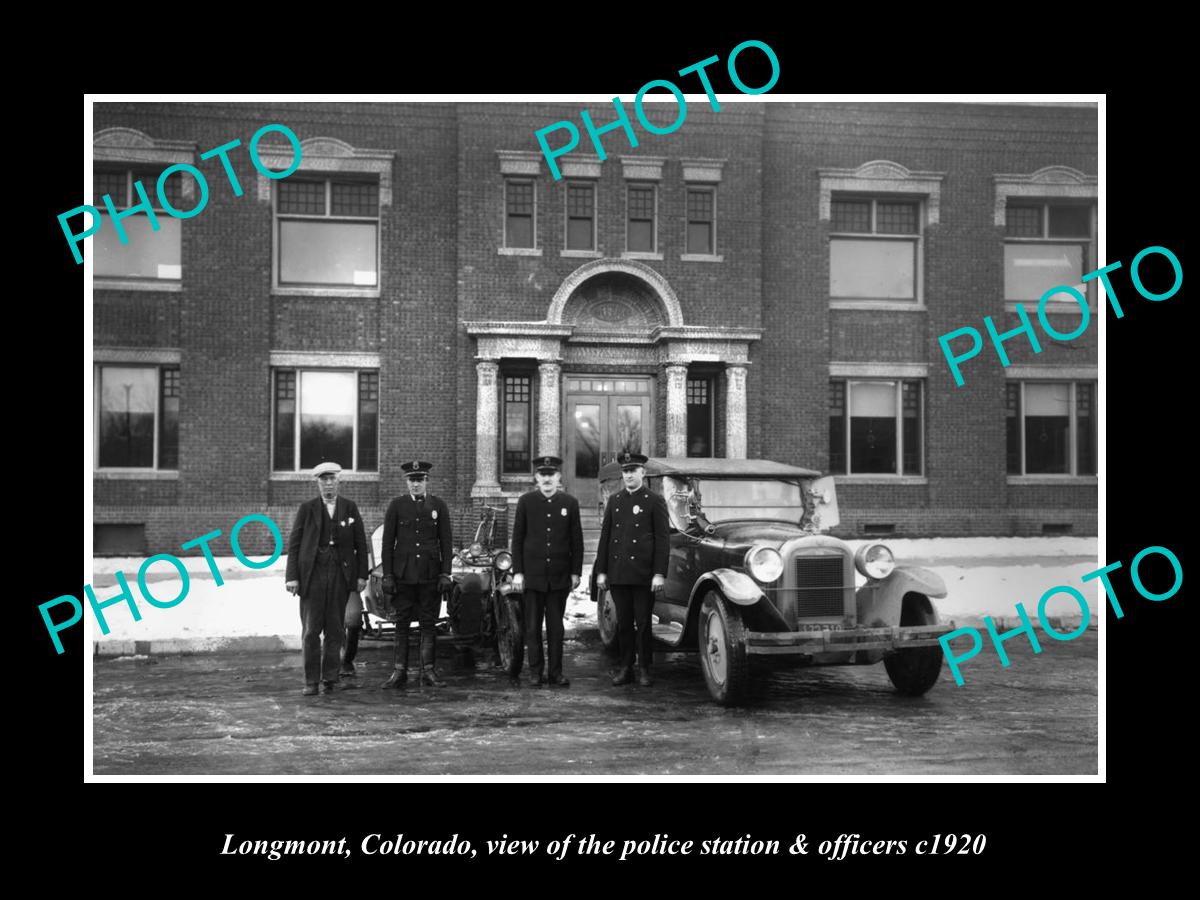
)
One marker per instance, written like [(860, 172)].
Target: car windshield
[(723, 500)]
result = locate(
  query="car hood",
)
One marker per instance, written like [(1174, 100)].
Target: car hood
[(751, 532)]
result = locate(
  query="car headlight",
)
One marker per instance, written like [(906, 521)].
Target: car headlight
[(874, 560), (503, 561), (764, 564)]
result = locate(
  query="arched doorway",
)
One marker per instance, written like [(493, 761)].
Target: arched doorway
[(606, 413)]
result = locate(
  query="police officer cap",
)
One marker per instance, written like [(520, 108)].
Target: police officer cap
[(327, 468), (545, 464), (632, 460), (416, 469)]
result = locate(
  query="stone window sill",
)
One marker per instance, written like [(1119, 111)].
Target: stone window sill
[(307, 476), (1077, 480), (136, 474), (113, 284), (520, 251), (323, 292), (881, 479)]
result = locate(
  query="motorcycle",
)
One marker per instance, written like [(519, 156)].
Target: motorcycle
[(481, 610)]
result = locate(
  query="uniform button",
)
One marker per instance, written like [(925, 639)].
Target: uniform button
[(419, 556), (635, 540)]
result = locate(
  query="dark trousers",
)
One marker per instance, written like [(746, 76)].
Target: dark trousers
[(323, 609), (423, 599), (634, 603), (551, 605)]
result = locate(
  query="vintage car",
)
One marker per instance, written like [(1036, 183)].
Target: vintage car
[(751, 576)]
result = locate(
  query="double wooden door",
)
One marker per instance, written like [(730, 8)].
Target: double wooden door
[(605, 416)]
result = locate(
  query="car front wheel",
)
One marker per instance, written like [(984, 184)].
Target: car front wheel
[(913, 672), (723, 650)]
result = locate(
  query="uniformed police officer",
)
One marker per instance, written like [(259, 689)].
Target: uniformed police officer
[(547, 547), (631, 561), (417, 554), (327, 559)]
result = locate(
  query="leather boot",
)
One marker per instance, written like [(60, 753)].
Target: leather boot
[(401, 659), (624, 676), (398, 679), (430, 677), (429, 674), (644, 678)]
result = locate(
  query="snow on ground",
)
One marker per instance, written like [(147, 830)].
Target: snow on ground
[(984, 576)]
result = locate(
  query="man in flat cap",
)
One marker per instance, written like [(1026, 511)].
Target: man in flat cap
[(417, 555), (631, 561), (327, 559), (547, 547)]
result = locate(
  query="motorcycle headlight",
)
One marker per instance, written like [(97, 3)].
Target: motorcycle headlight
[(764, 564), (503, 561), (476, 549), (874, 560)]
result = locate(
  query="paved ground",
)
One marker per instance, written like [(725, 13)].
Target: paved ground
[(225, 714)]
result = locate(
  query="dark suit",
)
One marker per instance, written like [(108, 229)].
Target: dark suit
[(417, 550), (547, 547), (634, 547), (327, 556)]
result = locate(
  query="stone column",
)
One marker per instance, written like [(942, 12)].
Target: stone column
[(549, 432), (487, 428), (676, 410), (735, 411)]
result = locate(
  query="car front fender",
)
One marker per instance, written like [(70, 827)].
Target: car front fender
[(879, 601), (737, 587)]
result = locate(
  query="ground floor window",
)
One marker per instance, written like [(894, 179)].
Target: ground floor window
[(137, 417), (518, 423), (700, 417), (875, 427), (1051, 427), (324, 415)]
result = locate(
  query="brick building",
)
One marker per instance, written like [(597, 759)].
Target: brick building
[(767, 281)]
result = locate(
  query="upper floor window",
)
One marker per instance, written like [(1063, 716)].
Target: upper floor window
[(327, 231), (1047, 244), (641, 231), (581, 215), (325, 414), (520, 213), (874, 248), (149, 254), (701, 221), (137, 417)]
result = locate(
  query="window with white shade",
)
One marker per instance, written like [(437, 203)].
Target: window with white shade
[(327, 232), (150, 254), (1047, 245), (875, 427), (1051, 427), (874, 248)]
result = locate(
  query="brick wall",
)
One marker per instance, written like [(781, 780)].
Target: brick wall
[(440, 267)]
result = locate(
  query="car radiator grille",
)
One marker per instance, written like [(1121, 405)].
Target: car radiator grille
[(819, 588)]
